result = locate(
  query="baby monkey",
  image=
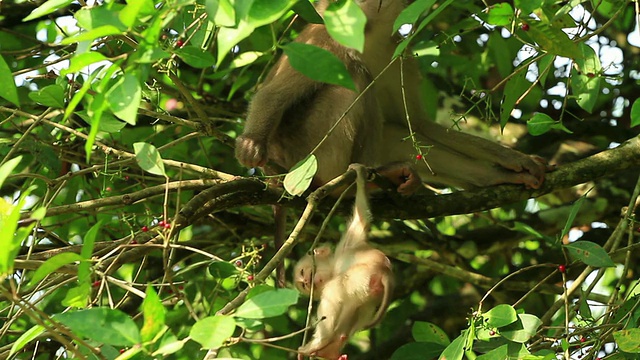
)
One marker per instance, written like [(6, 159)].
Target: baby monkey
[(358, 292)]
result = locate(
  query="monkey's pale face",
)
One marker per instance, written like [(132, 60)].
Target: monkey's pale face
[(305, 277)]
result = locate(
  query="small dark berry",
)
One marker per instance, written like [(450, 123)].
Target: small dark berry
[(126, 178), (167, 225), (108, 189), (179, 43), (122, 350), (583, 339), (96, 284), (145, 228), (492, 332), (419, 157), (525, 27), (591, 75), (133, 242), (180, 287), (250, 277), (161, 223), (238, 263), (562, 268)]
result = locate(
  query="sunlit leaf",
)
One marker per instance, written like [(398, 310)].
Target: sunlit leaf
[(318, 64), (8, 90), (149, 159), (104, 325), (345, 22), (268, 304), (299, 178), (211, 332)]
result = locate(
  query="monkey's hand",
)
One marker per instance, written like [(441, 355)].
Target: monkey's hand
[(251, 152), (529, 169), (403, 175)]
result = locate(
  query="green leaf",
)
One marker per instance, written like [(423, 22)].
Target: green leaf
[(134, 10), (515, 87), (307, 12), (47, 8), (222, 269), (154, 315), (228, 37), (575, 208), (345, 22), (628, 340), (268, 304), (7, 168), (102, 31), (412, 13), (99, 16), (500, 14), (169, 344), (265, 12), (318, 64), (244, 59), (148, 157), (539, 124), (8, 90), (124, 98), (586, 81), (501, 315), (26, 337), (53, 264), (221, 12), (196, 57), (527, 6), (455, 350), (427, 332), (589, 253), (108, 326), (417, 351), (80, 61), (108, 123), (523, 329), (552, 40), (211, 332), (299, 178), (84, 269), (635, 113), (78, 296), (51, 96)]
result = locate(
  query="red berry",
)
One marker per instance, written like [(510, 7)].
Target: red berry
[(179, 43), (419, 157), (250, 277), (180, 287), (167, 225), (161, 223), (126, 178), (145, 228), (122, 350), (562, 268), (108, 188), (591, 75), (492, 332), (583, 339), (238, 263), (133, 242), (96, 284), (525, 27)]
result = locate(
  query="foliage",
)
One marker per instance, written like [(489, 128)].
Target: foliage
[(126, 232)]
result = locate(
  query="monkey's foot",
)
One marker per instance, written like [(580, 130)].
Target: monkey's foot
[(530, 170), (251, 152)]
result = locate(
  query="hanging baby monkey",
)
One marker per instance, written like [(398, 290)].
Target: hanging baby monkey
[(357, 286)]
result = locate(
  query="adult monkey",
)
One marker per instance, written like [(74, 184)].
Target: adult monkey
[(290, 114)]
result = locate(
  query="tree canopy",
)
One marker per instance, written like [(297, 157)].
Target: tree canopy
[(129, 230)]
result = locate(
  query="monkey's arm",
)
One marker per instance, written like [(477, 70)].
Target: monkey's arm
[(284, 88)]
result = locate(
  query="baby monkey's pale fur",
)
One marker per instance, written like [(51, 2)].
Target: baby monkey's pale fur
[(357, 293)]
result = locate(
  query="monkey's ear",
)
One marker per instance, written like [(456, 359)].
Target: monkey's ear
[(322, 251)]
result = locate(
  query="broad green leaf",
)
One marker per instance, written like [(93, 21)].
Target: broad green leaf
[(635, 113), (47, 8), (527, 6), (628, 340), (99, 16), (586, 80), (523, 329), (148, 54), (134, 10), (78, 296), (84, 269), (298, 180), (412, 13), (417, 351), (51, 96), (8, 90), (222, 269), (589, 253), (108, 123), (318, 64), (154, 315), (515, 87), (501, 315), (148, 157), (102, 31), (109, 326), (427, 332), (228, 37), (265, 12), (53, 264), (80, 61), (26, 337), (244, 59), (500, 14), (455, 350), (306, 10), (211, 332), (7, 168), (221, 12), (552, 40), (268, 304), (124, 98), (345, 22), (575, 208), (97, 106), (539, 124), (169, 344), (196, 57)]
